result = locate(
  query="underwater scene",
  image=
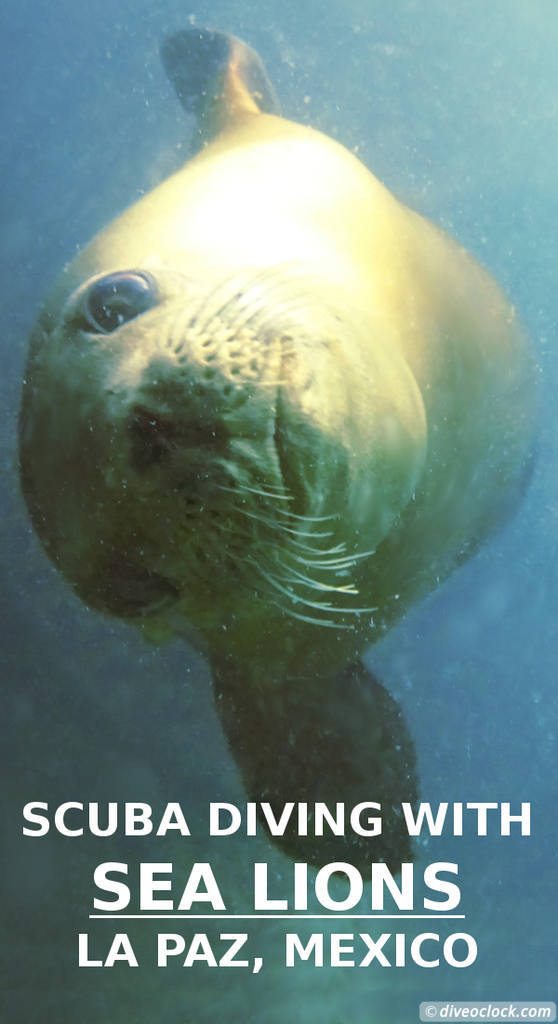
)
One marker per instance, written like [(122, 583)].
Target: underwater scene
[(260, 575)]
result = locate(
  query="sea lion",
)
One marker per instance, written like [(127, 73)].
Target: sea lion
[(272, 404)]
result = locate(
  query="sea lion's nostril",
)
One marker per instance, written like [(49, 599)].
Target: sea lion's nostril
[(152, 439)]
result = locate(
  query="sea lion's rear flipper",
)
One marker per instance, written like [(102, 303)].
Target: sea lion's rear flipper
[(342, 741), (217, 77)]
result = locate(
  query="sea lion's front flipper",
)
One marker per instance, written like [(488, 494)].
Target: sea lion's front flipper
[(341, 741), (217, 77)]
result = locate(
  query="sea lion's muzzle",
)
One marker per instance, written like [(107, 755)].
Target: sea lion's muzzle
[(209, 431)]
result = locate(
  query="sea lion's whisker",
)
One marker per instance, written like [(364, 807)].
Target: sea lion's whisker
[(312, 551), (334, 564), (319, 605), (336, 550), (300, 546), (256, 490), (279, 526), (275, 526), (304, 533), (311, 619), (348, 588), (295, 598), (337, 563), (305, 547), (268, 494), (307, 519)]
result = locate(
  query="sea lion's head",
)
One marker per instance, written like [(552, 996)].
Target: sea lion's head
[(201, 445)]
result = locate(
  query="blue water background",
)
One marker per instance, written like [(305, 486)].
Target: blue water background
[(455, 106)]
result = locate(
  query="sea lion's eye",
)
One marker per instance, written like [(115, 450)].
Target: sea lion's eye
[(117, 298)]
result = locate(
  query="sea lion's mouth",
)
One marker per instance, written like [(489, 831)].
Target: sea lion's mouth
[(129, 590)]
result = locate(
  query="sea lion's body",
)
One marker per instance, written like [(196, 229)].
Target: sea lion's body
[(394, 422)]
